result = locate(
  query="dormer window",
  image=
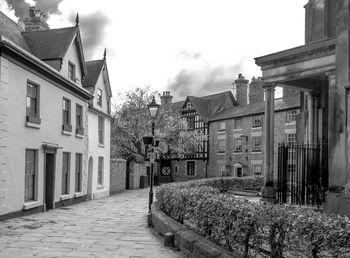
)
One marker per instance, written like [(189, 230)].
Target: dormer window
[(99, 97), (71, 71)]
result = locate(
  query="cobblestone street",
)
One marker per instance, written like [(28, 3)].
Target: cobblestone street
[(112, 227)]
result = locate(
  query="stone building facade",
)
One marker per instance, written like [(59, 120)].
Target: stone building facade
[(320, 70), (44, 138)]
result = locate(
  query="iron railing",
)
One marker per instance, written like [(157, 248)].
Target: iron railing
[(302, 174)]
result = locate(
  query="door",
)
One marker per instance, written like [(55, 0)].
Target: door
[(239, 172), (90, 178), (49, 181)]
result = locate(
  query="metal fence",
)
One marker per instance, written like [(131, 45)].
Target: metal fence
[(302, 174)]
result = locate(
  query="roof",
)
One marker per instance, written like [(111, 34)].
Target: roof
[(94, 69), (208, 106), (12, 31), (50, 44), (288, 102)]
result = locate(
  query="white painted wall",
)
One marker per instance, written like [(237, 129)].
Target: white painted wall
[(21, 137), (73, 57)]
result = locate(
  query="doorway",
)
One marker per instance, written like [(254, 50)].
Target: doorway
[(90, 179), (49, 181)]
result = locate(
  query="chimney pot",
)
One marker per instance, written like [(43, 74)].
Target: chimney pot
[(241, 89)]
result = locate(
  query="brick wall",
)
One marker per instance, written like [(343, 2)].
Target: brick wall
[(117, 176), (247, 158), (181, 175), (136, 171), (3, 132)]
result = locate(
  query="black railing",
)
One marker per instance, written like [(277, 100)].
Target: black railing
[(302, 174)]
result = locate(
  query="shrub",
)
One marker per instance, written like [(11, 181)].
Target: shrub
[(251, 228)]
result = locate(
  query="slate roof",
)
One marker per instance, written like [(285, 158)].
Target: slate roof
[(287, 102), (93, 72), (50, 44), (208, 106), (12, 31)]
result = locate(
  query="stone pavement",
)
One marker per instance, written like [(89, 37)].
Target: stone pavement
[(115, 226)]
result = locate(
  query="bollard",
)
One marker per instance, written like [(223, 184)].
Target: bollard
[(169, 239)]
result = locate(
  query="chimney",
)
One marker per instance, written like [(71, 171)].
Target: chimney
[(36, 20), (256, 91), (241, 89), (166, 98)]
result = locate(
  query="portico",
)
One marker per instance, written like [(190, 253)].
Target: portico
[(320, 70)]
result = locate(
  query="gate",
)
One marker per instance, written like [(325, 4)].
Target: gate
[(302, 174), (165, 167)]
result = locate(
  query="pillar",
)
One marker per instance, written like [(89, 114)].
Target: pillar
[(312, 107), (347, 146), (268, 192)]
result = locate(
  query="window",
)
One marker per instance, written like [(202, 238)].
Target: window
[(79, 119), (99, 97), (190, 123), (32, 106), (176, 169), (257, 121), (256, 144), (238, 123), (291, 139), (237, 145), (71, 71), (222, 126), (222, 146), (100, 171), (291, 115), (66, 115), (190, 168), (222, 170), (257, 170), (30, 175), (65, 173), (101, 130), (78, 171)]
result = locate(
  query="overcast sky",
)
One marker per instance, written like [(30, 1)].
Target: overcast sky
[(190, 47)]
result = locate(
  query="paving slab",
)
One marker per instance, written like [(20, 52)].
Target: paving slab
[(115, 226)]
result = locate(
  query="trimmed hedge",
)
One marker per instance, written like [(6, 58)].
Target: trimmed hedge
[(253, 229)]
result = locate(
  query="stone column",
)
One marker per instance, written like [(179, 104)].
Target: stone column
[(312, 107), (268, 192), (347, 143), (332, 109)]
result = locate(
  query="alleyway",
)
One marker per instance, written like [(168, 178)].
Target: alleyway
[(110, 227)]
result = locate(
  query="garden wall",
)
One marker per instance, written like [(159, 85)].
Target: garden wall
[(117, 175)]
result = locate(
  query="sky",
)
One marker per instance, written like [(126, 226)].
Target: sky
[(187, 47)]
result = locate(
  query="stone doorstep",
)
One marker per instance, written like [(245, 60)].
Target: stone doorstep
[(187, 241)]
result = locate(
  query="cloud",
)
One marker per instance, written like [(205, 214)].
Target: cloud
[(203, 81), (190, 54), (92, 28), (21, 7)]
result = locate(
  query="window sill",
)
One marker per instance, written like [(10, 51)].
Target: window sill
[(100, 186), (79, 136), (256, 152), (31, 205), (221, 131), (33, 125), (221, 153), (257, 128), (237, 153), (66, 133), (290, 123), (238, 129), (78, 194), (101, 145), (66, 197)]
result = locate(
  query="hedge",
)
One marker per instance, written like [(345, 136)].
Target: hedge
[(254, 229)]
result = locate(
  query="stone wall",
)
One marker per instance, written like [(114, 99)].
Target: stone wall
[(136, 171), (117, 175), (181, 173)]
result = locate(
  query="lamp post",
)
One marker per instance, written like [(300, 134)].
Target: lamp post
[(153, 108)]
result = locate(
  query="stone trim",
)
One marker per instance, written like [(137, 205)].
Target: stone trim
[(31, 205), (188, 242)]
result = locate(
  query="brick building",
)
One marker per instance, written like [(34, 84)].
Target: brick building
[(234, 124)]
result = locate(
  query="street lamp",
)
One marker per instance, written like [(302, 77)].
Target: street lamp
[(153, 108)]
